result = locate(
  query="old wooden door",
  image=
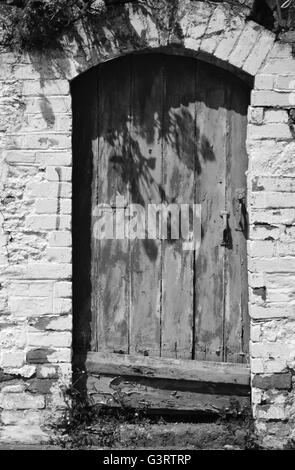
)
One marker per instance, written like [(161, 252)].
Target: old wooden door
[(161, 129)]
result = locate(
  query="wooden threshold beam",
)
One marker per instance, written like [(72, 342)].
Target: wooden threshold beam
[(165, 368)]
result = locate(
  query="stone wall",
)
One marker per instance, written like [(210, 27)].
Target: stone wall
[(35, 321), (35, 188), (271, 251)]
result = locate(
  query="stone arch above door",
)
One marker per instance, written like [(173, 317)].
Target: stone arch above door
[(214, 31)]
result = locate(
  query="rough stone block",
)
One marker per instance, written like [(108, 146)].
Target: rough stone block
[(48, 87), (38, 158), (63, 289), (275, 381), (257, 366), (48, 271), (272, 200), (273, 183), (215, 29), (60, 239), (59, 255), (56, 104), (22, 401), (41, 386), (25, 371), (255, 115), (30, 289), (50, 339), (259, 52), (276, 350), (264, 82), (62, 305), (195, 22), (50, 190), (230, 37), (47, 355), (12, 359), (279, 66), (284, 82), (255, 333), (29, 306), (275, 115), (270, 131), (271, 158), (60, 323), (271, 412), (41, 141), (245, 44), (271, 98), (272, 216), (46, 206), (261, 248), (40, 223), (272, 311), (272, 265), (47, 372), (58, 173)]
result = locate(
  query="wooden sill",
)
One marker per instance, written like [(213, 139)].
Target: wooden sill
[(166, 368), (166, 385)]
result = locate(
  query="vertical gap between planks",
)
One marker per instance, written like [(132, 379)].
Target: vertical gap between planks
[(194, 201), (225, 248), (130, 130), (95, 166), (162, 133)]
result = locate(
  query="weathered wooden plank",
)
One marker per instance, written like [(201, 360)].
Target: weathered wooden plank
[(210, 193), (123, 364), (110, 265), (148, 395), (145, 186), (179, 152), (236, 306)]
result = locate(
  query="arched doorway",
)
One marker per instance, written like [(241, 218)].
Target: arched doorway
[(160, 129)]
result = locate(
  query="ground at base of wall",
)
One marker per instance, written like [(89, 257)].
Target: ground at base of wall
[(197, 436)]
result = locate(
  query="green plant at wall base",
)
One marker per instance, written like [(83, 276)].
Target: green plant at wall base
[(40, 23)]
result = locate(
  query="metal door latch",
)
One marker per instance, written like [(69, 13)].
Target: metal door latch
[(241, 210), (225, 216)]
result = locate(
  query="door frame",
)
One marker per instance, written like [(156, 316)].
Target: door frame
[(213, 387)]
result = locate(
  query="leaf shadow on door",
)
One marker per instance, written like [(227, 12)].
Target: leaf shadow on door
[(176, 128), (135, 168)]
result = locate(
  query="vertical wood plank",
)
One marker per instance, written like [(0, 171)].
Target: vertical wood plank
[(145, 187), (110, 275), (210, 193), (179, 151), (236, 314)]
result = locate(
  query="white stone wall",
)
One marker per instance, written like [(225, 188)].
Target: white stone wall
[(271, 249), (35, 293), (35, 213)]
